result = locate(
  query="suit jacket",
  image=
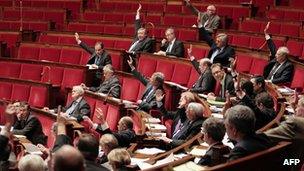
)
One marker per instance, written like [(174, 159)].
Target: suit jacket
[(213, 23), (177, 49), (188, 130), (214, 154), (223, 56), (82, 109), (228, 85), (105, 58), (145, 45), (205, 83), (284, 73), (150, 101), (105, 86), (60, 141), (31, 128), (250, 144), (124, 137), (4, 148), (92, 166)]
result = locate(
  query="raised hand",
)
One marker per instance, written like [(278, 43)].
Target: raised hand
[(198, 19), (139, 8), (76, 36), (189, 50), (130, 62), (159, 95), (163, 41), (100, 115), (267, 27)]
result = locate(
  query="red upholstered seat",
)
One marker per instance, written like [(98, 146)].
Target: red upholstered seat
[(47, 128), (71, 56), (146, 65), (113, 116), (298, 79), (257, 66), (5, 90), (20, 92), (99, 105), (8, 69), (76, 27), (116, 60), (123, 44), (172, 20), (53, 74), (72, 77), (193, 77), (256, 42), (44, 38), (181, 74), (290, 30), (166, 68), (95, 28), (173, 9), (130, 89), (243, 63), (30, 72), (38, 96), (188, 35), (91, 101), (29, 52), (67, 40), (155, 19), (92, 16), (168, 123), (113, 17), (241, 40), (84, 58), (113, 29), (50, 54), (295, 47)]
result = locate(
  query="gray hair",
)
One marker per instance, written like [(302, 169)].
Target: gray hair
[(159, 77), (197, 108), (108, 140), (127, 121), (223, 37), (206, 61), (283, 51), (108, 68), (31, 162), (241, 118), (79, 89), (215, 128), (119, 157)]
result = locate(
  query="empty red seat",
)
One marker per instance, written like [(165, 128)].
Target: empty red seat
[(155, 19), (77, 27), (180, 71), (50, 54), (166, 68), (20, 92), (95, 28), (188, 35), (113, 17), (99, 105), (113, 29), (243, 63), (290, 30), (130, 88), (67, 40), (5, 90), (30, 72), (251, 26), (256, 42), (192, 77), (295, 47), (146, 65), (44, 38), (116, 60), (47, 122), (28, 52), (113, 116), (275, 14), (9, 69), (71, 56), (92, 16), (72, 77), (39, 26), (241, 40), (38, 96), (172, 20), (258, 66), (173, 9), (123, 44), (298, 79), (53, 75)]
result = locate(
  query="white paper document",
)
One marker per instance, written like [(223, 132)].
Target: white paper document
[(152, 120), (31, 148), (150, 151), (145, 165), (153, 126)]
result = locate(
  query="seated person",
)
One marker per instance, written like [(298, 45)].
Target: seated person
[(209, 19), (107, 142), (205, 82), (189, 129), (240, 124), (77, 108), (225, 80), (258, 84), (67, 158), (119, 159), (125, 134), (28, 124), (31, 162), (220, 51), (170, 46), (279, 69), (247, 87), (214, 131), (110, 84), (155, 83), (179, 116), (141, 41)]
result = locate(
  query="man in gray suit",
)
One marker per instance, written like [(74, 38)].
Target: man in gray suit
[(208, 19), (110, 84)]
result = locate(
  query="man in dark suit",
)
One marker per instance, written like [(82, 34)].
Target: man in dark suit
[(240, 123), (154, 84), (206, 81), (220, 51), (258, 84), (28, 125), (225, 80), (189, 129), (125, 134), (279, 69), (214, 131), (170, 46), (110, 84), (141, 41), (208, 19)]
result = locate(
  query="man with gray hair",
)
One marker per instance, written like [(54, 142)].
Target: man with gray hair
[(240, 124), (206, 82), (31, 162), (208, 19), (110, 84), (68, 158), (191, 127), (279, 69)]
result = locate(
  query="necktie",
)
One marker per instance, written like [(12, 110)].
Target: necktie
[(197, 83), (133, 46), (273, 71), (97, 59), (169, 47), (72, 108), (149, 94), (214, 54)]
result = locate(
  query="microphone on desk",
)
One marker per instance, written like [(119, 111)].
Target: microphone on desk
[(108, 94)]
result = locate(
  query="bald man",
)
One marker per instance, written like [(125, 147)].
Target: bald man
[(68, 158)]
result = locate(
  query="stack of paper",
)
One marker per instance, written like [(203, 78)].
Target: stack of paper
[(31, 148), (216, 103), (286, 91), (190, 165), (176, 85), (150, 151), (152, 120), (156, 127), (198, 151), (217, 115), (166, 160), (155, 134)]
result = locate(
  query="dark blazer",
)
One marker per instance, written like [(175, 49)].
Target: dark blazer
[(205, 83), (150, 101), (249, 145), (145, 45), (4, 148), (92, 166), (189, 130), (214, 154), (284, 73), (223, 56), (104, 60), (105, 86), (60, 141), (124, 137), (82, 109), (177, 49), (228, 85), (31, 128)]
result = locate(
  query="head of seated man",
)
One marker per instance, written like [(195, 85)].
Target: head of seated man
[(258, 84), (141, 33), (221, 40), (108, 142), (194, 111), (125, 123), (157, 79), (213, 130), (218, 71), (247, 87), (68, 158), (170, 35), (204, 64), (31, 162), (22, 110), (119, 158), (77, 92), (211, 10), (108, 72), (282, 54), (88, 146), (99, 48), (186, 98)]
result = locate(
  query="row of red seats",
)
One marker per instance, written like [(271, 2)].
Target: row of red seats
[(63, 76), (249, 63), (62, 54), (26, 25), (278, 28), (285, 14), (41, 14), (296, 4), (35, 95)]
